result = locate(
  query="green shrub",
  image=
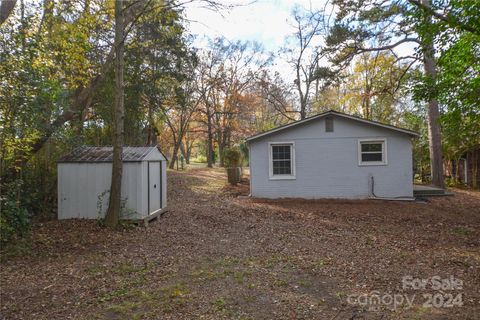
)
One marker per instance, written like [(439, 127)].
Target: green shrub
[(244, 149), (14, 218), (232, 157), (199, 159)]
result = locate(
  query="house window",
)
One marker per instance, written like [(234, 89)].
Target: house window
[(372, 152), (282, 160), (328, 124)]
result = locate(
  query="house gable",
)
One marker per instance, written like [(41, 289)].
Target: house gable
[(335, 115), (317, 129)]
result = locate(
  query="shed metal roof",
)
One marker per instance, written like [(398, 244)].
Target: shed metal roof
[(105, 154), (336, 113)]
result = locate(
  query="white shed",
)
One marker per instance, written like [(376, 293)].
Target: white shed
[(332, 155), (84, 178)]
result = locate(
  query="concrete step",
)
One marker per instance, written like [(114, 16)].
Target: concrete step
[(430, 191)]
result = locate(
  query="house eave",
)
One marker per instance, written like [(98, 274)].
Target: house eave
[(332, 112)]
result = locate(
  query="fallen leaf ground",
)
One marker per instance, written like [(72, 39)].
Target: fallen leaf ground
[(219, 255)]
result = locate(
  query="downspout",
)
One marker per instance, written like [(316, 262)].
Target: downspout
[(249, 167), (375, 197)]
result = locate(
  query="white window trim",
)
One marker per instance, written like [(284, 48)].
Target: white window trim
[(373, 163), (270, 161)]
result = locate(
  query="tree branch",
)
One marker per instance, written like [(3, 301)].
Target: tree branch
[(450, 19), (388, 47)]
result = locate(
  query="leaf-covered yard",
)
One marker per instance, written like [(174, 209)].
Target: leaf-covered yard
[(218, 256)]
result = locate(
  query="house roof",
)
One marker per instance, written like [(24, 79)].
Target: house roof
[(105, 154), (336, 113)]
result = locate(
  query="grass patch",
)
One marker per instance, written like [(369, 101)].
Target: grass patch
[(420, 312), (227, 262), (241, 275), (285, 261), (280, 283), (18, 248), (370, 239), (135, 303), (118, 293), (220, 304), (318, 264), (340, 295), (304, 283), (131, 277), (461, 231), (202, 275), (249, 298), (129, 268), (174, 296), (95, 270), (127, 309), (221, 269), (211, 184)]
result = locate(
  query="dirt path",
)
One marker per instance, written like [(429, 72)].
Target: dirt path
[(216, 256)]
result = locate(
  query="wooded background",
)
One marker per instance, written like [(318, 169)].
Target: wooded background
[(61, 85)]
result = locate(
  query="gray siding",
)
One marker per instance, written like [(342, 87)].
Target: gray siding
[(326, 163), (81, 183)]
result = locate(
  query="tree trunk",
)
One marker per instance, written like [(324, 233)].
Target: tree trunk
[(6, 8), (303, 110), (188, 147), (112, 216), (474, 172), (221, 148), (151, 129), (209, 140), (189, 153), (184, 151), (221, 162), (151, 135), (433, 114), (174, 155), (435, 144), (177, 139), (456, 172), (303, 97)]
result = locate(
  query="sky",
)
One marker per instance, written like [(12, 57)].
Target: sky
[(264, 21), (267, 22)]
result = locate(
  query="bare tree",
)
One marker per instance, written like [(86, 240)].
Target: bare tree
[(208, 74), (178, 112), (278, 95), (241, 65), (305, 58), (226, 71)]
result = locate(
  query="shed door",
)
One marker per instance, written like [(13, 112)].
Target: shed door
[(154, 186)]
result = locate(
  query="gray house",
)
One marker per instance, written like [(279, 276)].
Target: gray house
[(332, 155)]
